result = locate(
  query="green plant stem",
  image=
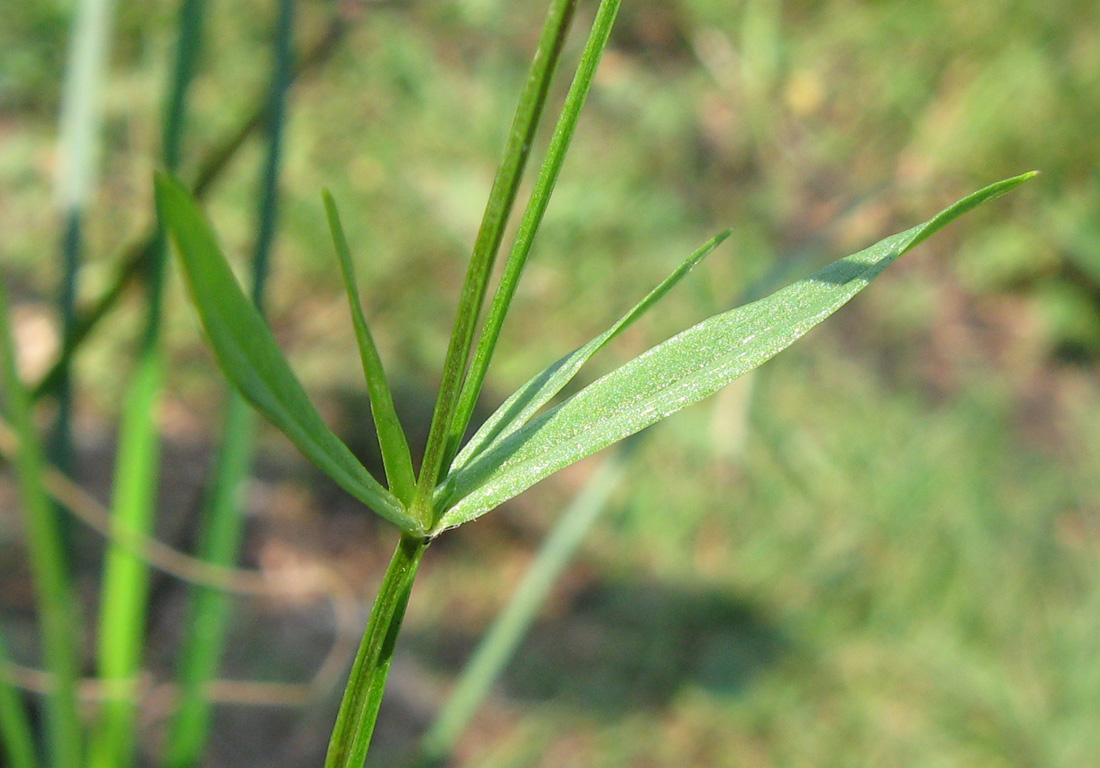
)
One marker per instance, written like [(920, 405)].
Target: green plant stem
[(501, 198), (499, 644), (222, 520), (55, 596), (363, 696), (16, 736), (532, 218)]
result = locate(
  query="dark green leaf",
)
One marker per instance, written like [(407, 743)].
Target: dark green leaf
[(251, 359)]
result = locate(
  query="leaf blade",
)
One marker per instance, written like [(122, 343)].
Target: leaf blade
[(518, 409), (670, 376), (250, 358), (391, 436)]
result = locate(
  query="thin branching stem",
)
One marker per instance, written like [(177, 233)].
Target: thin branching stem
[(532, 219), (501, 198)]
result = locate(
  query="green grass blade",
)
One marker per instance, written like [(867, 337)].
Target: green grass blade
[(16, 736), (199, 657), (363, 696), (499, 644), (532, 218), (518, 409), (125, 589), (677, 373), (251, 359), (53, 587), (501, 197), (81, 110), (123, 604), (391, 436), (222, 520)]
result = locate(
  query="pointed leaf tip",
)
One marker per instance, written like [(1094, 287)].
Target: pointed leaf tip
[(251, 359)]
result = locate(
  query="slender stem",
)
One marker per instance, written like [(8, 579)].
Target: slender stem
[(363, 696), (532, 218), (53, 585), (501, 198)]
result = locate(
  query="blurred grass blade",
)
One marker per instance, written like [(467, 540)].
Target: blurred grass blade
[(518, 409), (532, 218), (677, 373), (81, 110), (53, 587), (501, 197), (124, 592), (222, 520), (205, 626), (251, 359), (123, 604), (16, 736), (499, 644), (391, 437)]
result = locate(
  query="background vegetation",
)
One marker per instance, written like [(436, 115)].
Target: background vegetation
[(880, 550)]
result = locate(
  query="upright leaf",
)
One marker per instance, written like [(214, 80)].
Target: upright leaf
[(532, 219), (675, 374), (391, 437), (251, 359), (503, 194)]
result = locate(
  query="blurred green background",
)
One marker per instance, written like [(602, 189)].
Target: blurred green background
[(880, 550)]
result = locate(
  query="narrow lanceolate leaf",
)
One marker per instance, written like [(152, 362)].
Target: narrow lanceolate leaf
[(675, 374), (529, 399), (391, 437), (251, 359)]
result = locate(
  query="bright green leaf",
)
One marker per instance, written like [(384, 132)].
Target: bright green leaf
[(391, 437), (529, 399), (251, 359), (675, 374)]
